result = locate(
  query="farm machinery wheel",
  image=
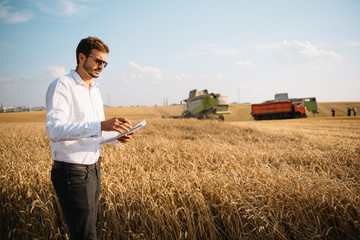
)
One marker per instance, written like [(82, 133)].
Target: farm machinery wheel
[(203, 116), (187, 114), (297, 115)]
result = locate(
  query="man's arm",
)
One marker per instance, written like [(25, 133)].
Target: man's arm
[(58, 104), (58, 127)]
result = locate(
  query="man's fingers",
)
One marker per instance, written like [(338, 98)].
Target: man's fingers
[(124, 127), (124, 139), (121, 125)]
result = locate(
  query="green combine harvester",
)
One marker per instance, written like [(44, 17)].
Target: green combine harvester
[(204, 105), (309, 102)]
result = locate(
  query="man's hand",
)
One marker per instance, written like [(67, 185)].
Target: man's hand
[(126, 138), (117, 124), (120, 125)]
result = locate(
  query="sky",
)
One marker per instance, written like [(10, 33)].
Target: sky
[(160, 50)]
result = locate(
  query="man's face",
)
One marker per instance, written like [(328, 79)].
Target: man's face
[(93, 64)]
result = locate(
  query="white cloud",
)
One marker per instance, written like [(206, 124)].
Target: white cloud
[(56, 71), (13, 17), (146, 73), (63, 7), (19, 17), (5, 79), (246, 64), (300, 52)]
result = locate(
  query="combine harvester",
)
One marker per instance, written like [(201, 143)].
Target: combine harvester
[(204, 105), (284, 107)]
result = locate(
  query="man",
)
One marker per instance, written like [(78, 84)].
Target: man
[(355, 111), (349, 112), (333, 112), (75, 124)]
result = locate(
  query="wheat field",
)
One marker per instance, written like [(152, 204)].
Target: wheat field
[(192, 179)]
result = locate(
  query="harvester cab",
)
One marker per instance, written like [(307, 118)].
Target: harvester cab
[(204, 105)]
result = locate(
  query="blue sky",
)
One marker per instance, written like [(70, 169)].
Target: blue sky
[(246, 50)]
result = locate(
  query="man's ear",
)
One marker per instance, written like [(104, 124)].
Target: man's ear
[(82, 58)]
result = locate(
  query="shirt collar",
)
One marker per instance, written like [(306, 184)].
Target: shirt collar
[(79, 80)]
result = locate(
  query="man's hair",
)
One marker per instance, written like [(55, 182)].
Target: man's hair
[(87, 44)]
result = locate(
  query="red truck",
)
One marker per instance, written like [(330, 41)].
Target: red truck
[(278, 110)]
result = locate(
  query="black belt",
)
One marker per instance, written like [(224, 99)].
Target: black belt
[(75, 166)]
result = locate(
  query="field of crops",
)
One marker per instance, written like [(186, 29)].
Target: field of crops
[(192, 179)]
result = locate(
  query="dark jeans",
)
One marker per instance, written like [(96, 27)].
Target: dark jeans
[(78, 192)]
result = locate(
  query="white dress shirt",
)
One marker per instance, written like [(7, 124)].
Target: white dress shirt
[(73, 121)]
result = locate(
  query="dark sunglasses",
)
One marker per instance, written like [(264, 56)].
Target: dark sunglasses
[(98, 61)]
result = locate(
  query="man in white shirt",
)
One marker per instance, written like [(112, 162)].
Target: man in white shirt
[(75, 124)]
